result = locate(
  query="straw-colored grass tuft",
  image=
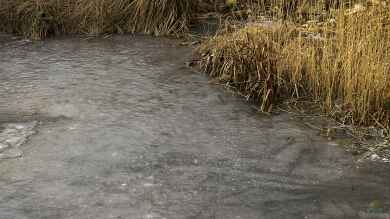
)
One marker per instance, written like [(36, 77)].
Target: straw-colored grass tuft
[(346, 69), (35, 19), (39, 19), (349, 72), (160, 16), (98, 16), (249, 59)]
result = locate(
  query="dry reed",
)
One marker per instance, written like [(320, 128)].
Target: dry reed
[(39, 19), (249, 59), (346, 68)]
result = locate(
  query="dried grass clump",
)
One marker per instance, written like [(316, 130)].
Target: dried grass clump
[(35, 18), (350, 71), (296, 9), (249, 60), (347, 69), (99, 16), (160, 16), (38, 19)]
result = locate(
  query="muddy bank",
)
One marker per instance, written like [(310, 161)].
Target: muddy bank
[(139, 135)]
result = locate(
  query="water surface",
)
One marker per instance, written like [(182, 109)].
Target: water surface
[(127, 131)]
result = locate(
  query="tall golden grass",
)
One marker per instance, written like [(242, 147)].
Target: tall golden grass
[(350, 72), (345, 67), (38, 19), (162, 16), (249, 59)]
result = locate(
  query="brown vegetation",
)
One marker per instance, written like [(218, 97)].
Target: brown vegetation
[(340, 61), (38, 19)]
